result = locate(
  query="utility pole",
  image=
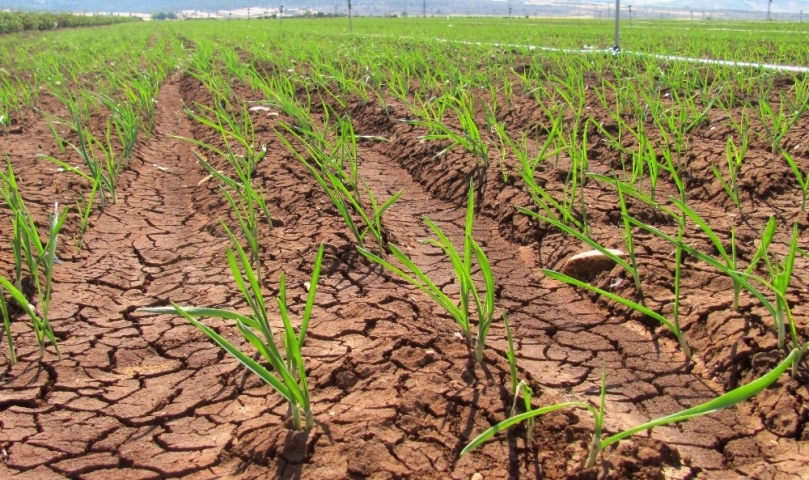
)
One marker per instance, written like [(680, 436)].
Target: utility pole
[(424, 9), (769, 7), (630, 15), (616, 48), (281, 15), (509, 13), (350, 26)]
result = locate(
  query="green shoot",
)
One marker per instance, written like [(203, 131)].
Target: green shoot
[(629, 240), (246, 207), (780, 277), (598, 417), (627, 303), (517, 386), (735, 157), (761, 252), (470, 139), (741, 278), (778, 124), (343, 187), (39, 257), (800, 177), (516, 419), (289, 379), (12, 354), (511, 356), (462, 266), (42, 327), (724, 401)]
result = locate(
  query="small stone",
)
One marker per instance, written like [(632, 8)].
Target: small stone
[(586, 265), (476, 476)]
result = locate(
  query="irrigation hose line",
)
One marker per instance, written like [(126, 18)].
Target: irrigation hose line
[(616, 50)]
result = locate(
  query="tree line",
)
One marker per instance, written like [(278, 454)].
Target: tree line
[(11, 22)]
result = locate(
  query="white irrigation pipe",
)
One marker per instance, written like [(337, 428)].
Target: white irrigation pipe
[(729, 63), (748, 30), (615, 51)]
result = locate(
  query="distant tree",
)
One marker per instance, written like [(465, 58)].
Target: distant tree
[(11, 22), (164, 16)]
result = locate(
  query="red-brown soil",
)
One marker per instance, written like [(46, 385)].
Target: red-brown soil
[(395, 393)]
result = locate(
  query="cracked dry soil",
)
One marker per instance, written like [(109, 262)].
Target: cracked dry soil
[(147, 397)]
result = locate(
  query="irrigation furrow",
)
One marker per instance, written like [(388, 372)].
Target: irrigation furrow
[(120, 397)]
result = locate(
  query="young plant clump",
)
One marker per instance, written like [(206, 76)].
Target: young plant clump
[(284, 371)]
